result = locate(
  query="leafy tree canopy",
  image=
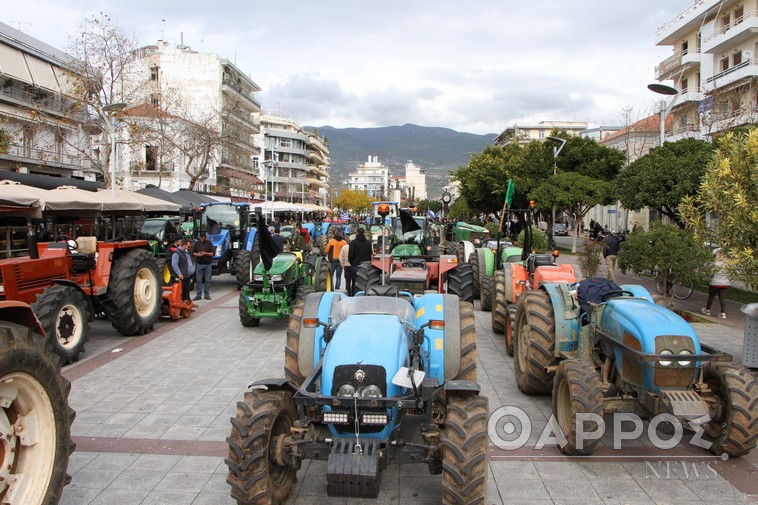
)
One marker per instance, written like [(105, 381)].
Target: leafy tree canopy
[(459, 209), (572, 191), (585, 156), (425, 205), (356, 201), (662, 178)]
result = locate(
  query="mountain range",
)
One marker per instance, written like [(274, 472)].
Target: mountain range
[(438, 151)]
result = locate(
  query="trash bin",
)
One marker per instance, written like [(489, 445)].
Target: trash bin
[(750, 344)]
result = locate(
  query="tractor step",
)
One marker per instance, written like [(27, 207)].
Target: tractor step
[(684, 405), (353, 471)]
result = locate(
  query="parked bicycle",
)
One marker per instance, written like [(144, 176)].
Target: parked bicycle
[(680, 289)]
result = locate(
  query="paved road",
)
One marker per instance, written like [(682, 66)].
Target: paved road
[(152, 419)]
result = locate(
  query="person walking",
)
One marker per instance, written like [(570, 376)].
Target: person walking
[(360, 251), (717, 287), (333, 249), (202, 252), (183, 267), (279, 241), (345, 263), (611, 246)]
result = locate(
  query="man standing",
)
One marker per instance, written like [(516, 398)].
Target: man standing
[(360, 251), (203, 254), (183, 267), (611, 246), (333, 249), (279, 241), (345, 264)]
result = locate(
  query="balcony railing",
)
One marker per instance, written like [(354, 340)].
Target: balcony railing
[(236, 87), (730, 70), (675, 62), (43, 156), (245, 118), (35, 98), (726, 28), (683, 17)]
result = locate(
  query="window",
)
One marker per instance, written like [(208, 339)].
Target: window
[(151, 157), (542, 135), (737, 58), (685, 47), (154, 72), (684, 86), (155, 100), (724, 64), (725, 20), (285, 143), (738, 13)]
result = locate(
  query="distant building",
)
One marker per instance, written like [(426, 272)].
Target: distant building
[(415, 182), (525, 133), (600, 132), (714, 66), (371, 177), (300, 171), (397, 191), (44, 128)]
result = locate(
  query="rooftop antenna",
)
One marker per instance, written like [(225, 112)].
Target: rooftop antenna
[(163, 26), (19, 24)]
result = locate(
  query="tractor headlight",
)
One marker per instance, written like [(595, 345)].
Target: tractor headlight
[(346, 390), (667, 362), (336, 417), (684, 363), (371, 391), (276, 278), (258, 278)]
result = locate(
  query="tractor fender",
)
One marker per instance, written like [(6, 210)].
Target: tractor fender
[(489, 262), (250, 239), (508, 275), (566, 312), (638, 291), (459, 386), (274, 384), (468, 250), (312, 343), (87, 296), (20, 313), (443, 346)]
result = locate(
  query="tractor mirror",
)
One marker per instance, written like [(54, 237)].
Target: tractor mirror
[(556, 253), (310, 322)]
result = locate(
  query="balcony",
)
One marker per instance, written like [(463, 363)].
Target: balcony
[(744, 70), (690, 95), (732, 34), (232, 87), (687, 21), (241, 117), (677, 63), (739, 116), (37, 156), (55, 104), (318, 170)]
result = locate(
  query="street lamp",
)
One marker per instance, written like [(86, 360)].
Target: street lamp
[(108, 113), (556, 152), (663, 89)]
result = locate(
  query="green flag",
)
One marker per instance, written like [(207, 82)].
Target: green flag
[(509, 193)]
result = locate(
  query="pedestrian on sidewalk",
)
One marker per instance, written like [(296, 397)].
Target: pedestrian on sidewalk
[(345, 263), (720, 282), (611, 246), (359, 252), (183, 267), (202, 252), (333, 249)]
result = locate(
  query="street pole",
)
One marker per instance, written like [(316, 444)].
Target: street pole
[(556, 152), (112, 128)]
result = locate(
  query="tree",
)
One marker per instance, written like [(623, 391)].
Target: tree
[(459, 209), (662, 178), (353, 200), (669, 248), (425, 205), (729, 192)]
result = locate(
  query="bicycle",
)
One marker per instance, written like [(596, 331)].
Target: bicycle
[(681, 290)]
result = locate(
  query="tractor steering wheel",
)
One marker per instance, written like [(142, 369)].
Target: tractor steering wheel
[(613, 294), (71, 242)]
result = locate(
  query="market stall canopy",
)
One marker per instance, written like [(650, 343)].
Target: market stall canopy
[(16, 199), (156, 192), (147, 203), (194, 198)]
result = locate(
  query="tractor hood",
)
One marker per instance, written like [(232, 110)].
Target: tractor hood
[(511, 252), (282, 262), (406, 250), (647, 320), (219, 239)]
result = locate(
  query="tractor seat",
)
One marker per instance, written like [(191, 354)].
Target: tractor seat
[(379, 290), (538, 260)]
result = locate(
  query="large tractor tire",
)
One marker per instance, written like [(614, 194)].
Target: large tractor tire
[(499, 303), (135, 291), (321, 242), (460, 252), (246, 319), (366, 275), (469, 353), (735, 432), (292, 346), (323, 276), (534, 343), (474, 262), (577, 389), (460, 282), (302, 292), (34, 394), (464, 450), (450, 248), (244, 264), (64, 315), (486, 293), (254, 474), (510, 325)]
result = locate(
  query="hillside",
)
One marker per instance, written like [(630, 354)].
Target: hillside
[(436, 150)]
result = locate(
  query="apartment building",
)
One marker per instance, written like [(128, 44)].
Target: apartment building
[(204, 93), (415, 181), (371, 177), (43, 129), (713, 66), (525, 133), (294, 163)]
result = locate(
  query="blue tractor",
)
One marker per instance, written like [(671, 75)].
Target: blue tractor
[(369, 380), (602, 348), (233, 236)]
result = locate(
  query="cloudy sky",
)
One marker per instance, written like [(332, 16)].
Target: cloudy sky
[(474, 66)]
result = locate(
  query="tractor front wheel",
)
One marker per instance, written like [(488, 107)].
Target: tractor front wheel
[(460, 282), (486, 293), (246, 319), (735, 431), (469, 353), (135, 293), (464, 450), (323, 275), (321, 244), (475, 267), (499, 303), (534, 343), (256, 476), (36, 418), (292, 346), (577, 390), (242, 266), (63, 313)]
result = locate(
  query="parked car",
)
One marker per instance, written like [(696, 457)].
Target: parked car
[(561, 229)]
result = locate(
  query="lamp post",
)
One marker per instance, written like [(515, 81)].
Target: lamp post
[(108, 112), (665, 90), (556, 152)]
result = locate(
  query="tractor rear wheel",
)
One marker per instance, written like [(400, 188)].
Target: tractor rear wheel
[(486, 293), (246, 319), (64, 315), (323, 276), (263, 420), (534, 343), (577, 390), (34, 397), (460, 282), (460, 252), (469, 353), (474, 262), (464, 450), (135, 292), (292, 346), (303, 290), (499, 304), (321, 242), (735, 432), (366, 275), (510, 324)]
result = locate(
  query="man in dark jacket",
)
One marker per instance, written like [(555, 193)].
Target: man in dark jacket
[(611, 246), (358, 252), (279, 241)]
